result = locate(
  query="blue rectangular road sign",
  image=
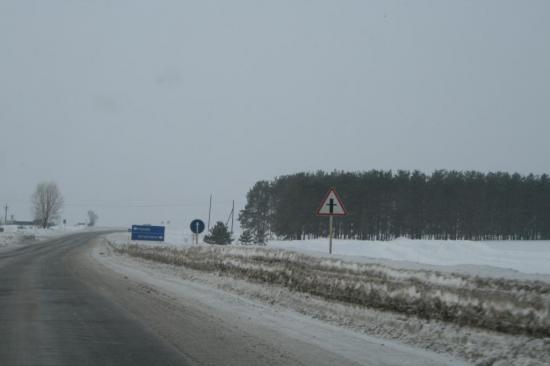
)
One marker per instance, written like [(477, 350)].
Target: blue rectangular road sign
[(147, 232)]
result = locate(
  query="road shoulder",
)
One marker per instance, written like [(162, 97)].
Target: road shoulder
[(254, 327)]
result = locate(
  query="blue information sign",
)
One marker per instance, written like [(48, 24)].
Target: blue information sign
[(197, 226), (147, 232)]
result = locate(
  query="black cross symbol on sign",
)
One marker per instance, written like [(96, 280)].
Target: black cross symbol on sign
[(331, 205)]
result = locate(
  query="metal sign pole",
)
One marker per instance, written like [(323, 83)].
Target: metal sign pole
[(330, 234)]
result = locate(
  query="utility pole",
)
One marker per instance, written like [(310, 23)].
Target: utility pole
[(209, 211), (6, 214), (232, 216)]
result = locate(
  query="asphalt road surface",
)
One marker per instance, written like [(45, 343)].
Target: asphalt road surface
[(50, 316), (59, 306)]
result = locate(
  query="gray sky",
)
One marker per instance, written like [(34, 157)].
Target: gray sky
[(159, 103)]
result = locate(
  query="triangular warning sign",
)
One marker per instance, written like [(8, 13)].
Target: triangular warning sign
[(332, 205)]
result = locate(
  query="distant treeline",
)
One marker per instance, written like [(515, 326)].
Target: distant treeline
[(384, 205)]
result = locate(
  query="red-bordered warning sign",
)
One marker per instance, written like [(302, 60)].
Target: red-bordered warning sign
[(332, 205)]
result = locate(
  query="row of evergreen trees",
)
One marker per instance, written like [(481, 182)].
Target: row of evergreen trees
[(384, 205), (219, 234)]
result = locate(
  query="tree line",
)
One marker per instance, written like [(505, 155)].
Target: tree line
[(384, 205)]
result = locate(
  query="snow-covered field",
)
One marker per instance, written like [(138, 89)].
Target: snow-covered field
[(531, 257), (498, 258), (270, 320), (483, 319), (14, 235)]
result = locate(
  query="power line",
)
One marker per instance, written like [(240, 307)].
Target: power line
[(209, 211), (231, 217), (135, 205), (122, 205), (116, 205)]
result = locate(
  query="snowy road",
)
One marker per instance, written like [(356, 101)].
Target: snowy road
[(59, 305), (49, 315)]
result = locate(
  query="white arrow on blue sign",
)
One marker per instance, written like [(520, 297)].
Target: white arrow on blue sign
[(197, 226)]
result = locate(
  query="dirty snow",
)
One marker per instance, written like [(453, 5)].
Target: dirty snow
[(506, 259), (255, 307), (481, 347), (499, 304), (14, 235)]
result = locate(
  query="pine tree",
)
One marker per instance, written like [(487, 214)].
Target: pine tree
[(383, 205), (219, 234), (246, 237), (256, 214)]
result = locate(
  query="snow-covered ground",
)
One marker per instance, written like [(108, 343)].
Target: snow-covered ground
[(235, 303), (523, 256), (484, 321), (497, 258), (485, 302), (14, 235), (272, 318)]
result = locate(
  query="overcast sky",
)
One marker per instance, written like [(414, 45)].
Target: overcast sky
[(130, 104)]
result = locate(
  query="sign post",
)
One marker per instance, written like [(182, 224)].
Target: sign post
[(330, 228), (197, 227), (331, 206)]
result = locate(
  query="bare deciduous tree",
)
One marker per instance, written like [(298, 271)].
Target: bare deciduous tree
[(47, 203), (92, 218)]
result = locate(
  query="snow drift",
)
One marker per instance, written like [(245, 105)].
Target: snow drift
[(509, 306)]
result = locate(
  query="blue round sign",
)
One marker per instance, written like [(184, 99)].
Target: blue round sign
[(197, 226)]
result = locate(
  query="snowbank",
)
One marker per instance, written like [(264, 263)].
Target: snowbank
[(485, 321), (14, 235), (523, 256), (514, 307), (529, 257), (293, 317)]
